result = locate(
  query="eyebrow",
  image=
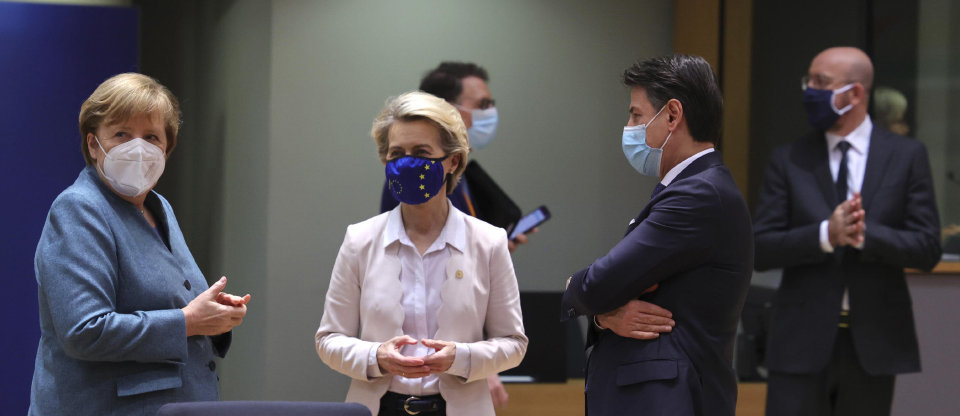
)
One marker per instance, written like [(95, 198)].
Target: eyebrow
[(419, 146)]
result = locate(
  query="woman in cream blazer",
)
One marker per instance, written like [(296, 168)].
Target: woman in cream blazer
[(423, 302)]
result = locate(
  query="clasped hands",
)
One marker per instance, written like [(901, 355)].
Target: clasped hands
[(215, 312), (846, 225), (392, 361), (638, 319)]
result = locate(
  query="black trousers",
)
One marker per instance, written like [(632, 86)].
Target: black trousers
[(842, 388)]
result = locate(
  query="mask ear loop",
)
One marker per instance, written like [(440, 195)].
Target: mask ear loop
[(104, 156), (833, 99)]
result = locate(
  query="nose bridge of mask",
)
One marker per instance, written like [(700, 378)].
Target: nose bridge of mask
[(833, 99), (485, 115)]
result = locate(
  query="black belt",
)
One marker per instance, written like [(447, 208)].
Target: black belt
[(405, 404)]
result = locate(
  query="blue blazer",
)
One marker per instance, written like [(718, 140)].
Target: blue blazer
[(113, 339), (695, 240)]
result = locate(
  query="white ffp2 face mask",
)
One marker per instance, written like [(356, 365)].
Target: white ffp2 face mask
[(132, 168)]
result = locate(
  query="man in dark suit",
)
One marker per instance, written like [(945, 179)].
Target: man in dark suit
[(693, 242), (843, 211)]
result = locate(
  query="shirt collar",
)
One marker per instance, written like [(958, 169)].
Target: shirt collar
[(859, 138), (673, 173), (453, 233)]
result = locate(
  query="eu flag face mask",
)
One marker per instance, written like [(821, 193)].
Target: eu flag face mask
[(484, 127), (642, 157), (414, 180), (822, 112)]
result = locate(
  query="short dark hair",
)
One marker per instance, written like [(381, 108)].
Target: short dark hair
[(690, 80), (445, 81)]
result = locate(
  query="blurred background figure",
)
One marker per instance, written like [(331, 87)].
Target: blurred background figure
[(843, 211), (890, 109)]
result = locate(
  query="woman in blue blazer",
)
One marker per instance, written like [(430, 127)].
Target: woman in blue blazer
[(127, 321)]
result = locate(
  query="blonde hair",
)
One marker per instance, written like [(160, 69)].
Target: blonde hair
[(422, 106), (124, 96)]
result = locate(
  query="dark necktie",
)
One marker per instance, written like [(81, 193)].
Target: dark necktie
[(842, 172), (660, 187)]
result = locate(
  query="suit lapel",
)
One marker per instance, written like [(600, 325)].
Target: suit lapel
[(877, 158), (392, 288), (457, 276), (703, 163)]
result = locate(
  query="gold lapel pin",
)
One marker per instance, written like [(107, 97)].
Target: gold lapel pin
[(459, 274)]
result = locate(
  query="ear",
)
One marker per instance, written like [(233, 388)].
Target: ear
[(857, 94), (674, 112), (92, 147), (455, 161)]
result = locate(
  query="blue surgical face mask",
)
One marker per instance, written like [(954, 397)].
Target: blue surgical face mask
[(484, 127), (642, 157), (822, 112), (414, 180)]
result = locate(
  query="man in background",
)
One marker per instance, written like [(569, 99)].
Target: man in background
[(843, 211)]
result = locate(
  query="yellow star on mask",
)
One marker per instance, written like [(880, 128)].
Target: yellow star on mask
[(421, 187), (421, 177), (427, 167), (426, 195)]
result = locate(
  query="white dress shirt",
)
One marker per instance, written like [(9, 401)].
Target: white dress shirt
[(673, 173), (859, 140), (422, 278)]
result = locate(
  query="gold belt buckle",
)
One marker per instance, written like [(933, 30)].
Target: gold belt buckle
[(406, 405)]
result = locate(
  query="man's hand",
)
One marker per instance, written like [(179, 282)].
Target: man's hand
[(497, 392), (846, 225), (638, 319), (520, 240)]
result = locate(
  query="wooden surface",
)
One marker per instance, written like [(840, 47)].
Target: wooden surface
[(567, 399), (945, 267)]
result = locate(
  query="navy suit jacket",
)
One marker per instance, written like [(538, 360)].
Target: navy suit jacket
[(695, 240), (903, 230)]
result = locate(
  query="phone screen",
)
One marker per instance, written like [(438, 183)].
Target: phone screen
[(529, 221)]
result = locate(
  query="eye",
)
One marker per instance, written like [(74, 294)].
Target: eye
[(152, 137), (423, 152), (120, 134)]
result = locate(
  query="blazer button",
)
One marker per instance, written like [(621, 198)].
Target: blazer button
[(186, 284), (213, 365)]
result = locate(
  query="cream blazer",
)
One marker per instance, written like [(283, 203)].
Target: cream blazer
[(481, 307)]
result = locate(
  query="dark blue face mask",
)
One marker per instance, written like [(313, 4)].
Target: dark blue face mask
[(822, 114), (414, 180)]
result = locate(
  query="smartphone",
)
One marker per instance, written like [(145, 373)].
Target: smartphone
[(531, 220)]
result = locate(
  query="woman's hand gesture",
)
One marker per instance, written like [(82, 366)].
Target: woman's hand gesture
[(441, 360), (391, 361), (214, 312)]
